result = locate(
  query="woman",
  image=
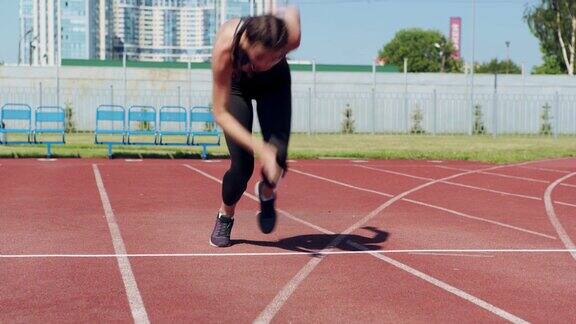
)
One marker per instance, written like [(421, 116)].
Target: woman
[(249, 62)]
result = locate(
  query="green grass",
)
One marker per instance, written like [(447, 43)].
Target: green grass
[(503, 149)]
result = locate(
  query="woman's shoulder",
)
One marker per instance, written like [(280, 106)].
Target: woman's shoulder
[(227, 31), (223, 45)]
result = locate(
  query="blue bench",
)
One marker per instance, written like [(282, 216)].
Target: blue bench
[(161, 125), (173, 121), (17, 119), (202, 127), (110, 120), (49, 120), (142, 122)]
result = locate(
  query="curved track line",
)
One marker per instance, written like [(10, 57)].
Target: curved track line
[(552, 214), (416, 202)]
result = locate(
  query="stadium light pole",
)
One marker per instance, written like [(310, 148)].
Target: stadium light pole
[(473, 60), (507, 57)]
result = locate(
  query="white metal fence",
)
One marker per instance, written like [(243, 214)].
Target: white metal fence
[(323, 111)]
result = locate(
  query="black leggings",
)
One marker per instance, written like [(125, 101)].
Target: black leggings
[(273, 95)]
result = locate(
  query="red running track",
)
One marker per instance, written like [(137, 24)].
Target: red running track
[(426, 241)]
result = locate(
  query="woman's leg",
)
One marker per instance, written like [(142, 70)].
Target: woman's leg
[(236, 178), (275, 117), (242, 162)]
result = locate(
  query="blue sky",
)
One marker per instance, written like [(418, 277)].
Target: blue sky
[(352, 31)]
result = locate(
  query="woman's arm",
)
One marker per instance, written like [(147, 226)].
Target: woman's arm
[(291, 16), (292, 19), (222, 76)]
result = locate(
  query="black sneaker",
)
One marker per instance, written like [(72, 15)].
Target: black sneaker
[(267, 214), (221, 233)]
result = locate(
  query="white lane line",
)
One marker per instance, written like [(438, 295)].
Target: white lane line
[(445, 286), (251, 196), (280, 254), (272, 309), (431, 206), (481, 219), (454, 183), (545, 169), (509, 176), (134, 298), (269, 312), (564, 203), (552, 214), (342, 183), (496, 174), (453, 254), (505, 193)]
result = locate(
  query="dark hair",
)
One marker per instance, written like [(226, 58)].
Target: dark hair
[(268, 30)]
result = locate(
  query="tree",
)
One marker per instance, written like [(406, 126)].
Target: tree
[(499, 67), (553, 22), (426, 51), (551, 65)]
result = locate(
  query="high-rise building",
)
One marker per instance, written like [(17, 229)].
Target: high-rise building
[(149, 30), (163, 30), (39, 31), (26, 23), (79, 29)]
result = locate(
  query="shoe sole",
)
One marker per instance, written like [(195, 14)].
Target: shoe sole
[(218, 246)]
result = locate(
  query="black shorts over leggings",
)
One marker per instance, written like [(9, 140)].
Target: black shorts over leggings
[(272, 91)]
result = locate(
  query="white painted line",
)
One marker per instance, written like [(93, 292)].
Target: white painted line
[(134, 298), (274, 306), (511, 176), (481, 219), (435, 161), (450, 252), (505, 193), (565, 204), (272, 309), (211, 161), (251, 196), (554, 219), (342, 183), (133, 160), (430, 205), (453, 254), (359, 161), (545, 169), (445, 286), (454, 183), (47, 160), (395, 173), (269, 312)]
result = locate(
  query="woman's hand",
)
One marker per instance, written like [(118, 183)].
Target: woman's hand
[(267, 156)]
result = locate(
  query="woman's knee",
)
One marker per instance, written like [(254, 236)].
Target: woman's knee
[(243, 170), (281, 145)]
